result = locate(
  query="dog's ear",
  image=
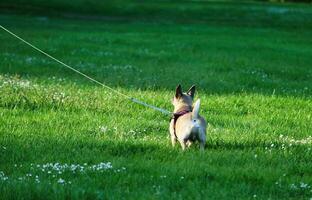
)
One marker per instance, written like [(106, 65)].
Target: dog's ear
[(178, 91), (191, 91)]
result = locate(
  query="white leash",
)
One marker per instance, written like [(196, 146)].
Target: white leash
[(88, 77)]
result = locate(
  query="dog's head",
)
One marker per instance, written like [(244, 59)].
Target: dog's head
[(183, 99)]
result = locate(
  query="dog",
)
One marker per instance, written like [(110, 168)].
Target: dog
[(186, 125)]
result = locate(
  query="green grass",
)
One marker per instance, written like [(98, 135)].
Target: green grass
[(252, 66)]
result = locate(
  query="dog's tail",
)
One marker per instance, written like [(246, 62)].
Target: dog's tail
[(195, 112)]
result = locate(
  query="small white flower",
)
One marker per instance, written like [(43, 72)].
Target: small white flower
[(103, 129), (3, 176), (61, 181), (293, 186), (303, 185)]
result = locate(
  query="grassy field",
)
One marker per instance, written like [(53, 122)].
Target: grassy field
[(63, 137)]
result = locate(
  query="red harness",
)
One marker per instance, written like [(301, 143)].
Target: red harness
[(176, 116)]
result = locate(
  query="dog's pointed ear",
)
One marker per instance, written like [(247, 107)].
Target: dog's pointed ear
[(191, 91), (178, 91)]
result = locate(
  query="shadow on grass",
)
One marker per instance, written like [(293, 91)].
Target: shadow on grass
[(240, 13), (90, 150)]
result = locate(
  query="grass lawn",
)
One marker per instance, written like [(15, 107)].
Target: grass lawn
[(63, 137)]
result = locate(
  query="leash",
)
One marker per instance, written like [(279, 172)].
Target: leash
[(134, 100)]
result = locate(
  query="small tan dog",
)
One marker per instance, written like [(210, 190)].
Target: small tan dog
[(186, 126)]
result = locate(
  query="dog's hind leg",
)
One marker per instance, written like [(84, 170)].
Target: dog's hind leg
[(202, 146), (183, 145), (202, 139), (172, 135), (173, 140)]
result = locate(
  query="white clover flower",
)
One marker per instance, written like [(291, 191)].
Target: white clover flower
[(3, 177), (102, 166), (23, 84), (103, 129), (304, 185), (61, 181), (293, 186), (58, 168)]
